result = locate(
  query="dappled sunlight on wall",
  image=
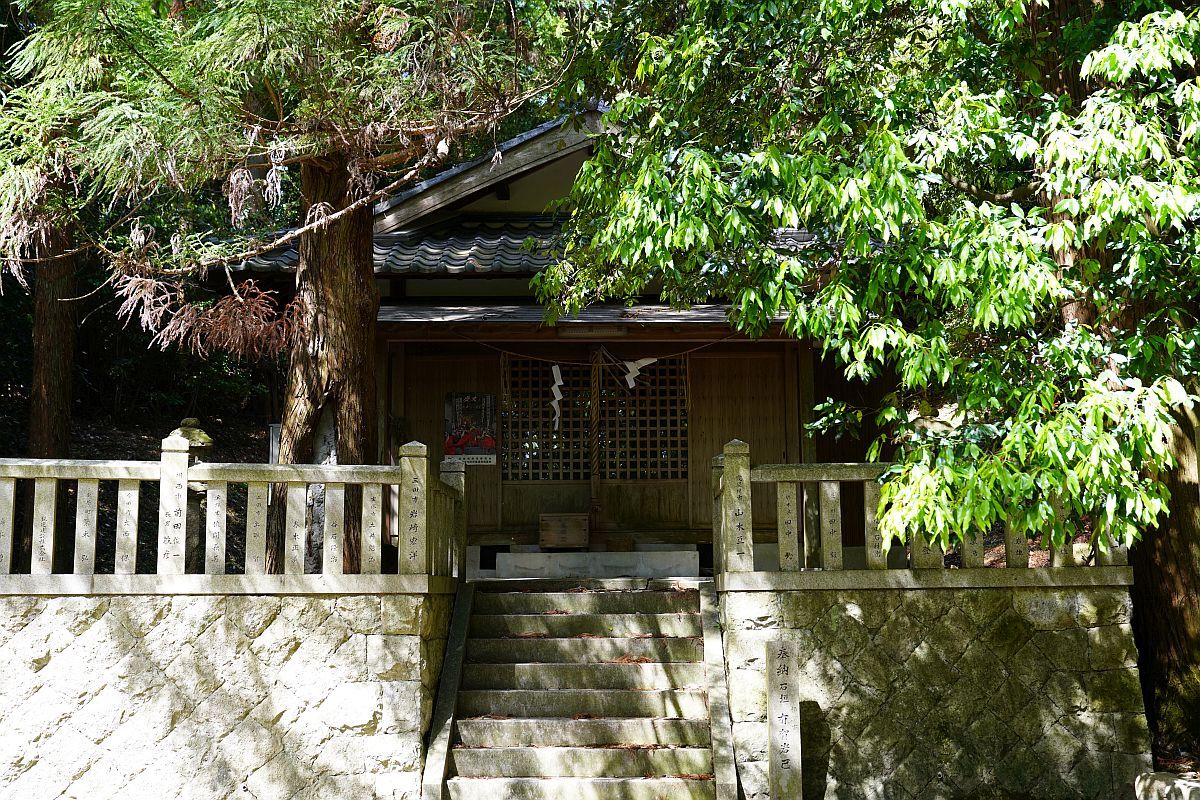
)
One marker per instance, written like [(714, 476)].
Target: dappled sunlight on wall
[(979, 693)]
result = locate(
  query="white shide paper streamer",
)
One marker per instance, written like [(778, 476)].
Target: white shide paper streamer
[(556, 403), (634, 368)]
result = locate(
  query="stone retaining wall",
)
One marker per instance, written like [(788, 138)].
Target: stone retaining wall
[(945, 693), (217, 697)]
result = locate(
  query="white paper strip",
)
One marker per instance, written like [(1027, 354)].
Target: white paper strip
[(556, 403), (634, 368)]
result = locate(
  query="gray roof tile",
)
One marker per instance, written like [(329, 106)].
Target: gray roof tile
[(704, 314), (464, 246)]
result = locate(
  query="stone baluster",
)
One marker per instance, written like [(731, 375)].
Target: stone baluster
[(718, 469), (737, 546), (182, 519), (8, 492), (45, 496), (831, 525), (454, 475), (414, 553), (787, 522), (876, 557), (1016, 548)]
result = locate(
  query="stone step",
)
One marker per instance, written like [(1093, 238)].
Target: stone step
[(534, 732), (592, 676), (581, 585), (580, 762), (589, 602), (674, 703), (580, 789), (565, 625), (582, 650)]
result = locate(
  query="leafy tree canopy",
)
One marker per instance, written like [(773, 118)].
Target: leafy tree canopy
[(141, 110), (1000, 202)]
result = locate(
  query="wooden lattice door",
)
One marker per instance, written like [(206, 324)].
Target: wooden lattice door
[(606, 430)]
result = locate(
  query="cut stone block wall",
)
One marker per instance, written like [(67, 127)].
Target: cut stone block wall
[(217, 697), (945, 693)]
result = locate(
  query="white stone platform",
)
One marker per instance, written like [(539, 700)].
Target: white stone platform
[(647, 564)]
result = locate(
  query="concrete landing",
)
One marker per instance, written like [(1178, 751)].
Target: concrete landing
[(653, 564)]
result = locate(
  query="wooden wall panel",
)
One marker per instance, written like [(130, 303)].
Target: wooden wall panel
[(645, 507), (525, 500), (428, 378), (736, 396)]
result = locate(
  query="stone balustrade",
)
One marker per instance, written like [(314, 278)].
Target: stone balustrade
[(337, 520), (809, 523)]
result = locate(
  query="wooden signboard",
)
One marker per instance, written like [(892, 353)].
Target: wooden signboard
[(563, 530)]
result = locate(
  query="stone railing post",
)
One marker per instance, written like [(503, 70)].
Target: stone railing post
[(454, 475), (172, 505), (737, 530), (181, 524), (414, 507)]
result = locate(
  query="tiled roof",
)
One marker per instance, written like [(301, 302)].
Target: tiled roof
[(509, 245), (515, 245), (704, 314)]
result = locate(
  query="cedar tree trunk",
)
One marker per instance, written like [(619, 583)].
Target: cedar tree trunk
[(331, 368), (1166, 609), (53, 352), (53, 360)]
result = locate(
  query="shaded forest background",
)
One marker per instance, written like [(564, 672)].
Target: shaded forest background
[(129, 393)]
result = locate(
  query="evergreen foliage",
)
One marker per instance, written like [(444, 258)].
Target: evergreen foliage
[(139, 110)]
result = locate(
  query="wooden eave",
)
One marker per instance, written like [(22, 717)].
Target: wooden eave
[(556, 141)]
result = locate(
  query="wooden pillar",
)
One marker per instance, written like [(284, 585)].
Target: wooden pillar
[(594, 437)]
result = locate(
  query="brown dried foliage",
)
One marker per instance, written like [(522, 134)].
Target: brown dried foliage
[(248, 323)]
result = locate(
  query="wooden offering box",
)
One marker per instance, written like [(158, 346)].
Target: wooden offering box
[(563, 530)]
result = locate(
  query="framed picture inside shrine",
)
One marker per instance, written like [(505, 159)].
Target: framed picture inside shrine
[(470, 427)]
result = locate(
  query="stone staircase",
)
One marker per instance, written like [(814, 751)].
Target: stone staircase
[(583, 690)]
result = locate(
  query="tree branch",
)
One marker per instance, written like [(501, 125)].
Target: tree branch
[(296, 233), (1017, 194), (138, 55)]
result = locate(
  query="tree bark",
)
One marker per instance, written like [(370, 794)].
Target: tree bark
[(52, 367), (1166, 564), (53, 352), (331, 368)]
